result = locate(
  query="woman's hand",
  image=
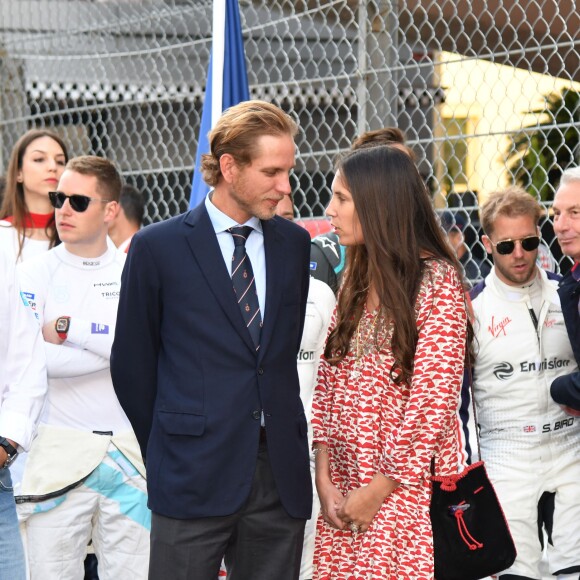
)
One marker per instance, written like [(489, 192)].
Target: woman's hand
[(361, 505), (329, 495), (330, 498)]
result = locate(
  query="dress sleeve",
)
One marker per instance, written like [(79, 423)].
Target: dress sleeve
[(321, 403), (430, 417), (323, 396)]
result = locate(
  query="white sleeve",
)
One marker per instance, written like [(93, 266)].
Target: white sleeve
[(84, 351), (319, 310), (25, 377), (69, 361), (325, 303), (91, 336)]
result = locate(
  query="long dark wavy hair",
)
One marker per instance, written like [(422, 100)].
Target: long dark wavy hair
[(400, 229), (14, 203)]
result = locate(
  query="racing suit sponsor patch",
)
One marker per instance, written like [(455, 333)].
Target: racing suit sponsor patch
[(97, 328)]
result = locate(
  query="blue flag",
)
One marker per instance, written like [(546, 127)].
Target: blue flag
[(227, 82)]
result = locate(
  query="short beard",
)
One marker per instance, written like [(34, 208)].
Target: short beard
[(252, 209)]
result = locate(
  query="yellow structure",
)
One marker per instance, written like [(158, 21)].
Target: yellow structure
[(485, 104)]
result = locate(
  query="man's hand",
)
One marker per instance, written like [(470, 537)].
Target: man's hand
[(570, 411), (49, 333)]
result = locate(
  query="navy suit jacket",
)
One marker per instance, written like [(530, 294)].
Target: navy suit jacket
[(565, 390), (186, 372)]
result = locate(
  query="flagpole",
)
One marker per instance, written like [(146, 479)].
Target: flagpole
[(218, 54), (227, 82)]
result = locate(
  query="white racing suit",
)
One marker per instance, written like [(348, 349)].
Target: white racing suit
[(84, 477), (530, 446), (319, 308)]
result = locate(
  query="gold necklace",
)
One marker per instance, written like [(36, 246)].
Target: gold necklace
[(359, 339)]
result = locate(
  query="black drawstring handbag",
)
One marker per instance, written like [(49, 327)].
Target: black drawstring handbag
[(471, 536)]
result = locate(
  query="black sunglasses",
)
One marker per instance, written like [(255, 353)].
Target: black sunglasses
[(506, 247), (77, 202)]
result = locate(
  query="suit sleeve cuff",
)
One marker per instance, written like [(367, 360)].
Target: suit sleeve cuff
[(565, 390)]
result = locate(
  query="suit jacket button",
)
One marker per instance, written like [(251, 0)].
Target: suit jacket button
[(256, 415), (260, 371)]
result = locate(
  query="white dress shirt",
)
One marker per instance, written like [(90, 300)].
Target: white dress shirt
[(254, 246)]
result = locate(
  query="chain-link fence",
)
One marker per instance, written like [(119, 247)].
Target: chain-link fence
[(485, 91)]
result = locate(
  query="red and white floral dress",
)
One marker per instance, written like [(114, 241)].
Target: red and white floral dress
[(372, 425)]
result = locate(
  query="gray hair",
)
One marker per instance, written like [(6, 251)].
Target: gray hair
[(571, 175)]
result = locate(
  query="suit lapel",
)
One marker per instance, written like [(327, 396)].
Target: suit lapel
[(203, 243), (274, 252), (569, 291)]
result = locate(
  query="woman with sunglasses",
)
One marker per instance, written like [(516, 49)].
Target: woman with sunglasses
[(27, 216), (386, 401)]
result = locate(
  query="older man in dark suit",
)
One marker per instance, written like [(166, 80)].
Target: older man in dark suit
[(565, 390), (204, 363)]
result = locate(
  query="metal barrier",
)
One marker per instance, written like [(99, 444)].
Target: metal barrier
[(485, 91)]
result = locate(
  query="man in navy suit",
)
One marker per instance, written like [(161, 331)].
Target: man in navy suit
[(206, 370)]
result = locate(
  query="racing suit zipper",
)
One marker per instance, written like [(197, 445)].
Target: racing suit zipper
[(534, 321)]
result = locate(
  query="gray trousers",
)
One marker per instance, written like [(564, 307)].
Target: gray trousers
[(259, 542)]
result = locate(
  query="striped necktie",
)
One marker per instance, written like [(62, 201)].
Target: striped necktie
[(245, 284)]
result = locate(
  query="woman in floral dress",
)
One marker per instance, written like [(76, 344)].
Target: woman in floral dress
[(387, 398)]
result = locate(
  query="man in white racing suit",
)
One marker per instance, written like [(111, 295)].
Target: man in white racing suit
[(319, 308), (84, 477), (530, 446)]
